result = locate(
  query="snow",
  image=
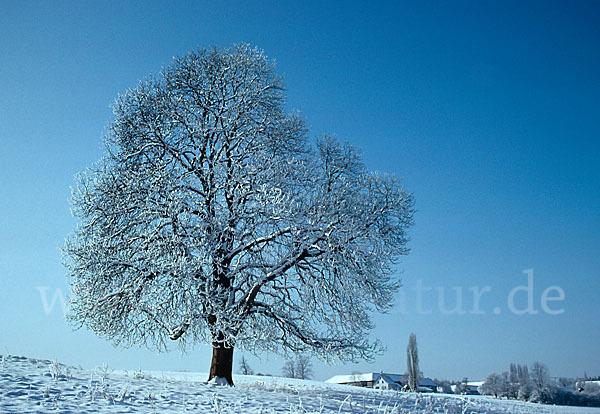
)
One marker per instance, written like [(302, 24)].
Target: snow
[(344, 379), (219, 381), (33, 385)]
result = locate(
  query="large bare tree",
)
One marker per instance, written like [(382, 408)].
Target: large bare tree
[(212, 218)]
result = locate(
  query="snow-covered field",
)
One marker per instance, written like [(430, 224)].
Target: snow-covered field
[(31, 385)]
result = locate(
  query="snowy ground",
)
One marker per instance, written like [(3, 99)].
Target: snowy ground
[(29, 385)]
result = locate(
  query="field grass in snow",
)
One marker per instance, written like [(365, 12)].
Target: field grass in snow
[(32, 385)]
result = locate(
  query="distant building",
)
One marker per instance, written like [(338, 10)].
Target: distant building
[(359, 380), (382, 381), (471, 388), (589, 384), (389, 382)]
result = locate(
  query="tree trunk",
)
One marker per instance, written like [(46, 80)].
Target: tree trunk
[(221, 364)]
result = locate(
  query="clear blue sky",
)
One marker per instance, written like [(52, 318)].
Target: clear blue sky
[(489, 110)]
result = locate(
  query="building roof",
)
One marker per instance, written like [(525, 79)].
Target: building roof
[(428, 382), (345, 379), (394, 378)]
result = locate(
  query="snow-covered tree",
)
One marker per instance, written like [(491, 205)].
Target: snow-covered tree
[(289, 369), (523, 374), (492, 385), (460, 388), (299, 367), (412, 363), (513, 381), (540, 382), (244, 367), (212, 218), (504, 388), (539, 375), (303, 367)]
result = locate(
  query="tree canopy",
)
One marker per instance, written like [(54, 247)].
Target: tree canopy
[(213, 218)]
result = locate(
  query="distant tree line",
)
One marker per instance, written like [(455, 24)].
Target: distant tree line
[(535, 385)]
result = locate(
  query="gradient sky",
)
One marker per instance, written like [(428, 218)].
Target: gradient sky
[(489, 111)]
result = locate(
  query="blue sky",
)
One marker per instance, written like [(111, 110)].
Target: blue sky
[(489, 110)]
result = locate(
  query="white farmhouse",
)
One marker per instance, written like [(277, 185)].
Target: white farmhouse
[(382, 381)]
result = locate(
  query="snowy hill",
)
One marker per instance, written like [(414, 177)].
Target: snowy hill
[(31, 385)]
